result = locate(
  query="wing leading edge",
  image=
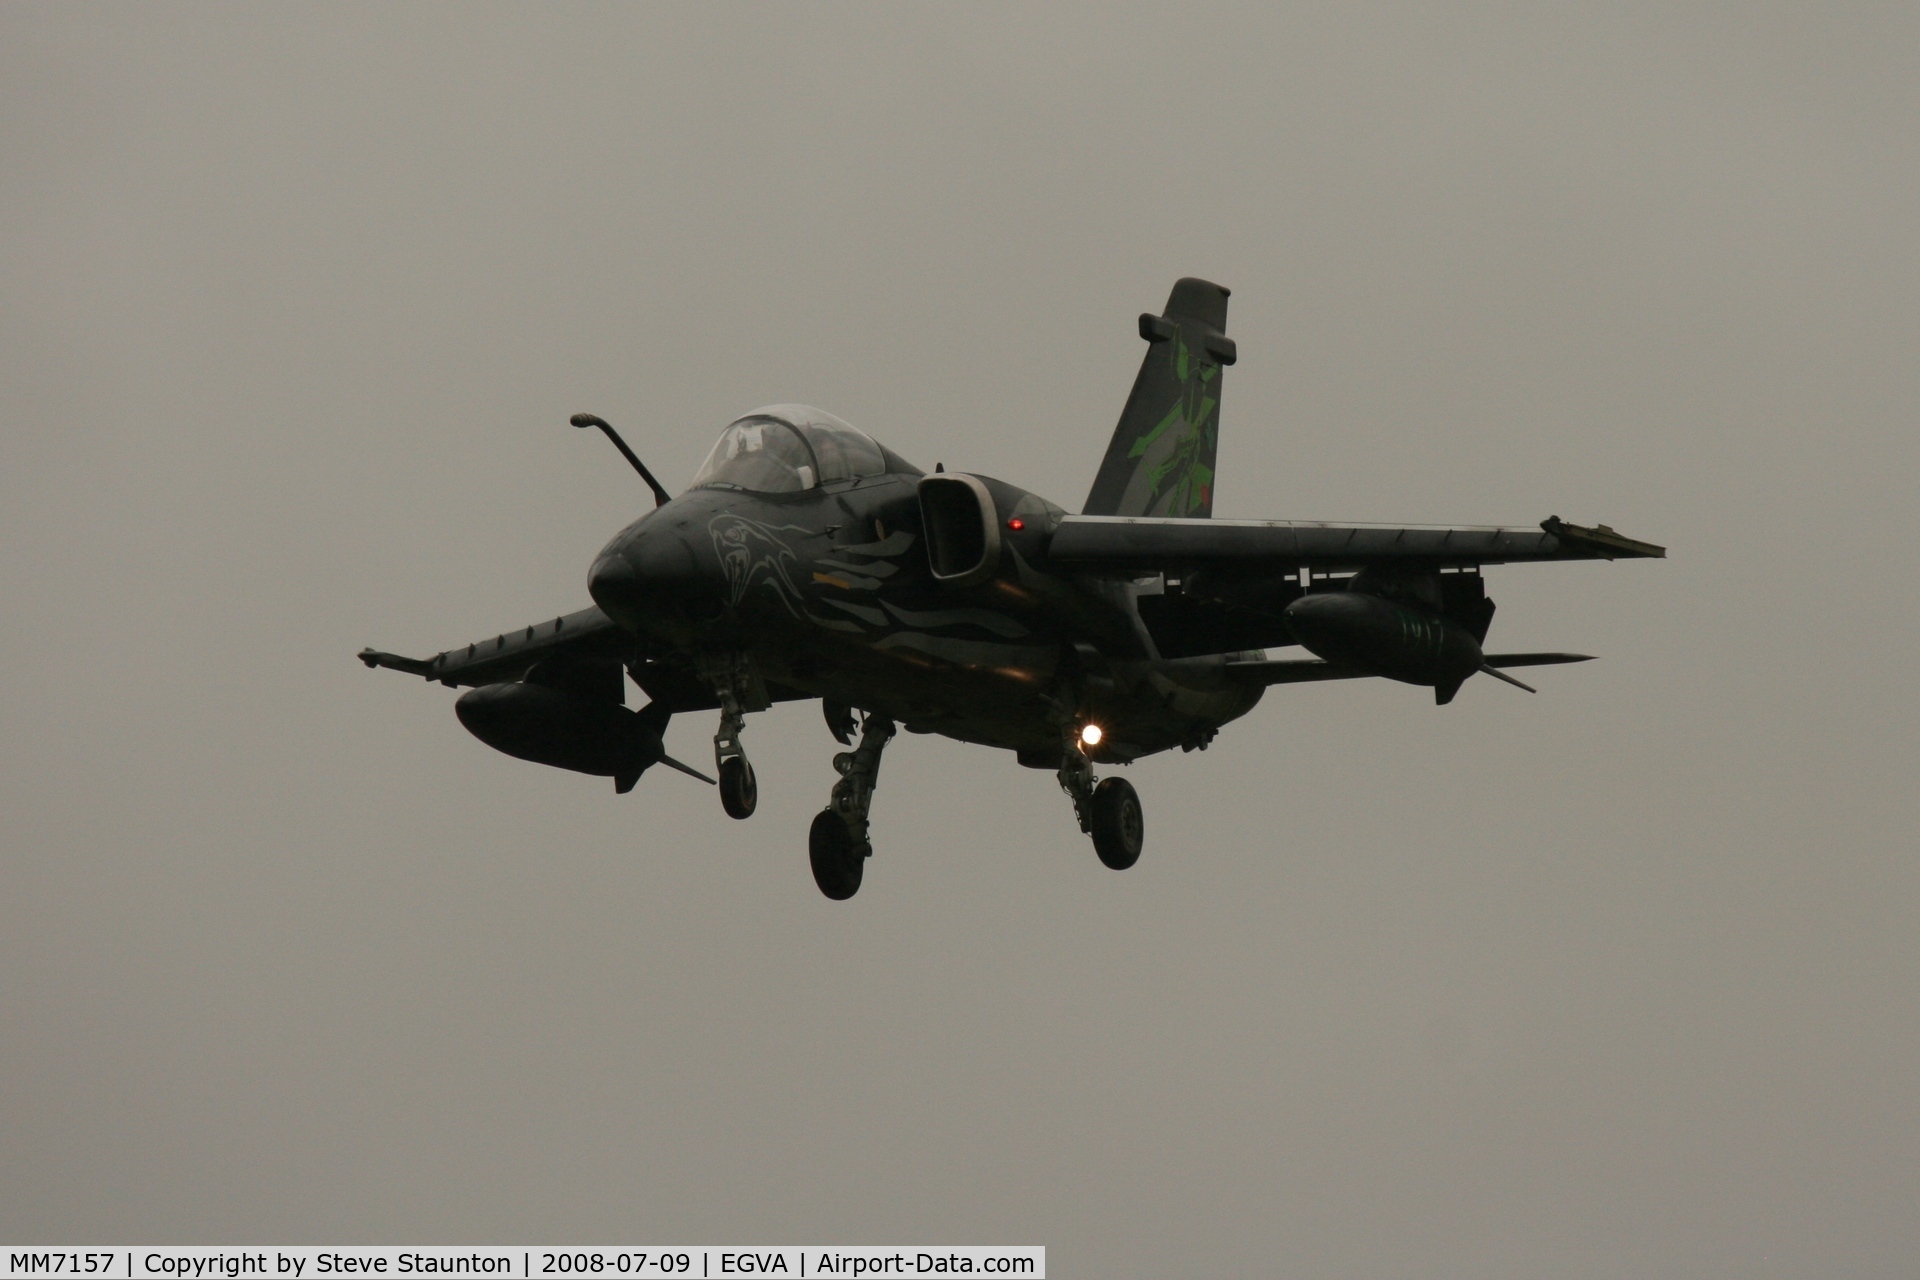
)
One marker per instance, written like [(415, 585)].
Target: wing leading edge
[(588, 634), (1145, 543), (589, 643)]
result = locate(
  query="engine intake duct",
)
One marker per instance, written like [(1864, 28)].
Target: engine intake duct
[(962, 527)]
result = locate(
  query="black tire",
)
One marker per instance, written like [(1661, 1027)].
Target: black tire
[(1119, 828), (739, 792), (837, 864)]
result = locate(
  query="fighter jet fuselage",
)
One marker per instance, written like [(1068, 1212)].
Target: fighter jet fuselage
[(807, 561)]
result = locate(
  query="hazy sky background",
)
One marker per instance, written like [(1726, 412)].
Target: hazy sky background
[(1618, 980)]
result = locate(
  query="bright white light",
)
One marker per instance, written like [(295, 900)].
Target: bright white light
[(1091, 735)]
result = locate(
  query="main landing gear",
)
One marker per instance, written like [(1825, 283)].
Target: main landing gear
[(838, 845), (1109, 809)]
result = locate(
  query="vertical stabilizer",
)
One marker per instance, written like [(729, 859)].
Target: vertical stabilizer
[(1160, 462)]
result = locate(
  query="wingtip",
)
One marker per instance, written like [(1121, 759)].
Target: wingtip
[(372, 658), (1604, 540)]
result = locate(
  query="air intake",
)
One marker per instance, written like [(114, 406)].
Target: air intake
[(963, 529)]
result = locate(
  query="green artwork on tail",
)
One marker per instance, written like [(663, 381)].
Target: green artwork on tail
[(1181, 470), (1160, 461)]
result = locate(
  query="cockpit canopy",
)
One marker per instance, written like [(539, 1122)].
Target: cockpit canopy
[(785, 448)]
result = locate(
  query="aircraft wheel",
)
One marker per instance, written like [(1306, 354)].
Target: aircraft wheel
[(739, 792), (837, 864), (1119, 830)]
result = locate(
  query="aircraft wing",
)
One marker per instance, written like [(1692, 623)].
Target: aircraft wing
[(589, 643), (1134, 544), (588, 635)]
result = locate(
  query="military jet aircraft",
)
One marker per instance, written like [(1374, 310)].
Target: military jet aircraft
[(808, 561)]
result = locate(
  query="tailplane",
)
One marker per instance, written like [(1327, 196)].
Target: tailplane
[(1160, 462)]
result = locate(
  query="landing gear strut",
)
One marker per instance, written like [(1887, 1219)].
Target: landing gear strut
[(739, 791), (1109, 809), (838, 845)]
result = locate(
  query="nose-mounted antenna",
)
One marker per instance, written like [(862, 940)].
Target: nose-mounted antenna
[(660, 498)]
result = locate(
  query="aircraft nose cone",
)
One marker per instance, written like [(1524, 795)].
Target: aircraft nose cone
[(645, 579), (617, 589), (611, 579)]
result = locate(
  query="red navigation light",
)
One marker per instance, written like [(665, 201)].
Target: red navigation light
[(1016, 524)]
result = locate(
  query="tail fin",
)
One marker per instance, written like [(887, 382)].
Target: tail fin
[(1160, 462)]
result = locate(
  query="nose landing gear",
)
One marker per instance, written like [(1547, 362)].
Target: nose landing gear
[(1108, 810), (734, 686), (837, 844), (739, 789)]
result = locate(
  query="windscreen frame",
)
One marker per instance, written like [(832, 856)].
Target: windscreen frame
[(711, 474)]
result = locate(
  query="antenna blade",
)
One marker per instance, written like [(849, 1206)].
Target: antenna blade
[(1498, 674), (688, 769)]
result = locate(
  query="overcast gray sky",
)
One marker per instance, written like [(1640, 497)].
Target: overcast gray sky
[(1618, 980)]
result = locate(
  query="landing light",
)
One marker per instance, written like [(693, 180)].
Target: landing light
[(1091, 735)]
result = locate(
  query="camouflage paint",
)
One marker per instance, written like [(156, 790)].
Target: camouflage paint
[(1160, 461), (1172, 476)]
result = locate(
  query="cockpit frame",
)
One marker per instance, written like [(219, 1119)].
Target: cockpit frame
[(789, 449)]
